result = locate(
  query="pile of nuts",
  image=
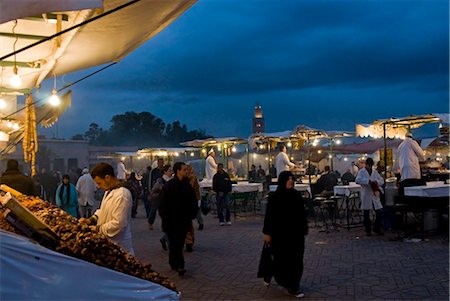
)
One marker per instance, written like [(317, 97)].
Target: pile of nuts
[(85, 242)]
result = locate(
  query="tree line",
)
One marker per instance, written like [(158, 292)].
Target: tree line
[(140, 129)]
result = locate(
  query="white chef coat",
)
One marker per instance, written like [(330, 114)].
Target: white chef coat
[(86, 190), (121, 171), (114, 217), (210, 168), (408, 154), (282, 163), (368, 197)]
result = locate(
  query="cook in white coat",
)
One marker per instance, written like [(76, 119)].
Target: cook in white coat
[(409, 154), (211, 165), (370, 181), (282, 162), (113, 219), (121, 171)]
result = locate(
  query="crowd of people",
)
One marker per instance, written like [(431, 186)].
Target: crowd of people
[(174, 193)]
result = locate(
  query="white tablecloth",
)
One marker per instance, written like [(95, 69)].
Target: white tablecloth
[(243, 186), (346, 189), (299, 187), (442, 190)]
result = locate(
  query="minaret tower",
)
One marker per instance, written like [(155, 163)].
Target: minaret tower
[(259, 125)]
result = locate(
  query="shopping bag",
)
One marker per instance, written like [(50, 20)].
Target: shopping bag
[(265, 268)]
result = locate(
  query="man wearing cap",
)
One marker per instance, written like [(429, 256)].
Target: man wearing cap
[(409, 155), (86, 193), (211, 165)]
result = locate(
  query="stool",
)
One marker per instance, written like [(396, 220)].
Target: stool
[(403, 209), (316, 205), (328, 210)]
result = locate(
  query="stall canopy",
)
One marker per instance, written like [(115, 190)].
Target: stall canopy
[(107, 39), (166, 151), (398, 127)]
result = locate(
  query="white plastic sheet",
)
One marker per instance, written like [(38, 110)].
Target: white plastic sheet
[(29, 271)]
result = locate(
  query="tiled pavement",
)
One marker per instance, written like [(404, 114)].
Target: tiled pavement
[(342, 265)]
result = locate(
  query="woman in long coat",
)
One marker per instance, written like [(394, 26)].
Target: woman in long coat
[(285, 227)]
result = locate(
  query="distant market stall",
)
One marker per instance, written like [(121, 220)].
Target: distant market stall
[(397, 128)]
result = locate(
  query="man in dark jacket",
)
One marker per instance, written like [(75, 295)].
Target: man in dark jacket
[(177, 208), (222, 186), (17, 180)]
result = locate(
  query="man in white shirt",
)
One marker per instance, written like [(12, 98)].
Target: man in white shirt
[(282, 162), (409, 155), (211, 165), (86, 193), (113, 219), (121, 171)]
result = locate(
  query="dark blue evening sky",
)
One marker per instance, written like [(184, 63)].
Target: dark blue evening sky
[(327, 64)]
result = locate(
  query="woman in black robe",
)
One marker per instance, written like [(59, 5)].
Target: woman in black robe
[(285, 227)]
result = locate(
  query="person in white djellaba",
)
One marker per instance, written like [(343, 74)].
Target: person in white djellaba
[(121, 171), (282, 162), (409, 154), (85, 188), (371, 182), (211, 165)]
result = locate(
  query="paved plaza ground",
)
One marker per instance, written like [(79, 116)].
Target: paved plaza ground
[(340, 265)]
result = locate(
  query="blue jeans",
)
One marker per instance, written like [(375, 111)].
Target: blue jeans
[(223, 202)]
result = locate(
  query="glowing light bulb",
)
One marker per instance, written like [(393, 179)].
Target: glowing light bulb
[(233, 149), (54, 99), (289, 144), (319, 151), (2, 103), (15, 126), (330, 156), (16, 82), (192, 154), (345, 159), (338, 142)]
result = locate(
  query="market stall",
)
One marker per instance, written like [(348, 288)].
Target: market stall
[(225, 147), (60, 232), (397, 128)]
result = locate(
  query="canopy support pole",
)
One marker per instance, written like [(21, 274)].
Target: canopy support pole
[(385, 151)]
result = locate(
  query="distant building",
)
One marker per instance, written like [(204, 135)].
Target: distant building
[(259, 125)]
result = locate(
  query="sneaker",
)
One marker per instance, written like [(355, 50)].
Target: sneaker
[(201, 226), (221, 224), (163, 244), (228, 223), (297, 294)]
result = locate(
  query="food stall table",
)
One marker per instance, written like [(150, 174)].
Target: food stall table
[(298, 187), (435, 195), (346, 191)]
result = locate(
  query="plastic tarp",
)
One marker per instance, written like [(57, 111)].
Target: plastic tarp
[(32, 272)]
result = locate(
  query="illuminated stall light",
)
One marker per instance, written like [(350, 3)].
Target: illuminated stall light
[(4, 136)]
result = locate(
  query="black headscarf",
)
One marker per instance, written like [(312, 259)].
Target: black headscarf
[(282, 180)]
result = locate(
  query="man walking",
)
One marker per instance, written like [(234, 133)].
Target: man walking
[(177, 208), (222, 186)]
